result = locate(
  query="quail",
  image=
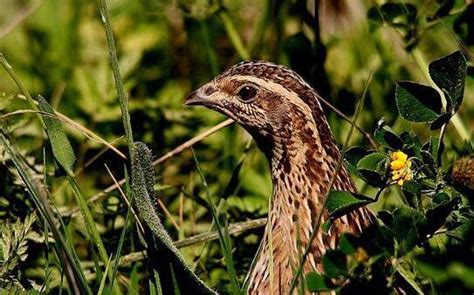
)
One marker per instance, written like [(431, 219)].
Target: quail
[(283, 115)]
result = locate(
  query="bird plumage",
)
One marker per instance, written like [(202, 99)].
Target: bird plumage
[(283, 114)]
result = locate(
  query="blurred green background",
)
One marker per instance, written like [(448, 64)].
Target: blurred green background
[(168, 48)]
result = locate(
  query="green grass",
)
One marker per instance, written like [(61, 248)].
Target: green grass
[(112, 73)]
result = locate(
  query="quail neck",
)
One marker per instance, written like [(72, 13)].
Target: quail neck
[(283, 114)]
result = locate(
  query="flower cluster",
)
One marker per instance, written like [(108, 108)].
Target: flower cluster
[(400, 167)]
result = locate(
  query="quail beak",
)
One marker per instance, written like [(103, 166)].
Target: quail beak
[(197, 98)]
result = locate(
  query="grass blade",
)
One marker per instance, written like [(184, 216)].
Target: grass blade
[(224, 237), (160, 245), (104, 278), (66, 254), (64, 155), (62, 149), (116, 71)]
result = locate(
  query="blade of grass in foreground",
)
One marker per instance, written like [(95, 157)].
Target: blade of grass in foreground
[(222, 230), (118, 253), (64, 155), (102, 283), (117, 77), (154, 284), (66, 254), (160, 246)]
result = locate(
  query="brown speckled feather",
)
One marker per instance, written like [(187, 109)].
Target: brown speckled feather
[(283, 114)]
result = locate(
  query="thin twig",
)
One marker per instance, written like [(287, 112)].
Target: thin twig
[(167, 213), (85, 131), (90, 134), (160, 160), (362, 131), (124, 197), (192, 141), (234, 229)]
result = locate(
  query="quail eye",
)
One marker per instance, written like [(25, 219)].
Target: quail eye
[(246, 93)]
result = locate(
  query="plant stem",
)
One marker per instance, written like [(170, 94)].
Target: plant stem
[(91, 229), (211, 54), (223, 232), (234, 35), (117, 76), (92, 232), (187, 144), (65, 253), (442, 132)]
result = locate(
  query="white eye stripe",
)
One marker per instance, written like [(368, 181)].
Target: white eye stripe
[(278, 88)]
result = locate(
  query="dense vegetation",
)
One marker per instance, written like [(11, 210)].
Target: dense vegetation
[(398, 79)]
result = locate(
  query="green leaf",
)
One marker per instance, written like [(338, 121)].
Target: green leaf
[(409, 276), (444, 9), (175, 282), (435, 148), (154, 284), (434, 272), (373, 169), (449, 74), (412, 191), (104, 278), (158, 239), (339, 203), (353, 156), (334, 264), (417, 102), (412, 187), (326, 226), (62, 150), (408, 227), (461, 232), (133, 286), (440, 121), (66, 254), (441, 197), (454, 271), (437, 216), (316, 282), (412, 144), (386, 136), (373, 162)]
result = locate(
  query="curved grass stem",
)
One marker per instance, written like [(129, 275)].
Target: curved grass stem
[(105, 18)]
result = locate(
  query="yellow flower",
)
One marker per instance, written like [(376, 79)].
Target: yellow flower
[(361, 255), (399, 156), (401, 167), (397, 165)]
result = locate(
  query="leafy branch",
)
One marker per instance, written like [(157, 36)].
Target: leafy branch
[(433, 206)]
